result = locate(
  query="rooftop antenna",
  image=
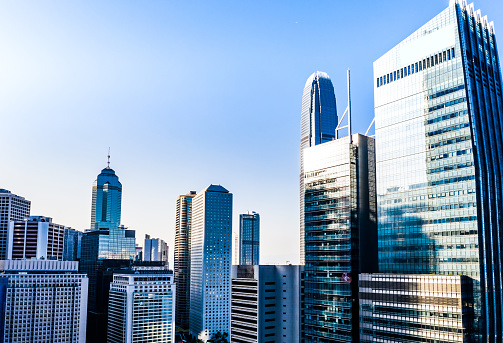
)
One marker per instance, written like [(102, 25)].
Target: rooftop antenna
[(108, 163), (348, 112)]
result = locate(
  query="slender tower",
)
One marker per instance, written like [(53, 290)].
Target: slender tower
[(317, 125)]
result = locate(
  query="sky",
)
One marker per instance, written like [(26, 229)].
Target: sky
[(185, 94)]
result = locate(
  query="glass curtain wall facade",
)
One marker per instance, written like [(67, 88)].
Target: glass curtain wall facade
[(317, 125), (438, 107), (210, 262), (249, 238), (182, 258), (340, 241), (107, 198)]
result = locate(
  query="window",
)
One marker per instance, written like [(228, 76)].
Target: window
[(420, 66), (424, 64), (408, 70), (381, 80), (452, 53), (449, 55), (440, 58), (377, 82), (436, 59), (401, 73), (394, 76), (428, 62), (417, 67), (444, 56)]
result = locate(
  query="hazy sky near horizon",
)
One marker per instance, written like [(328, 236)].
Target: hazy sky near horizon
[(186, 93)]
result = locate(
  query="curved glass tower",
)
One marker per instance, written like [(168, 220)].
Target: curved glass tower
[(107, 197), (317, 125)]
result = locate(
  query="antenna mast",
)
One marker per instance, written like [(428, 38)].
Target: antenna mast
[(108, 163)]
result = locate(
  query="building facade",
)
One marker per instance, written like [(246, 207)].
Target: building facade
[(210, 262), (317, 125), (106, 200), (265, 304), (341, 232), (45, 301), (249, 238), (142, 308), (155, 249), (72, 244), (12, 208), (182, 258), (35, 237), (415, 308), (438, 110)]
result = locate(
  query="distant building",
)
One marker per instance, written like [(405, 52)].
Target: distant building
[(72, 244), (35, 237), (265, 304), (249, 238), (107, 200), (317, 125), (341, 235), (210, 262), (142, 307), (45, 301), (12, 208), (182, 258), (155, 249), (235, 248), (416, 308)]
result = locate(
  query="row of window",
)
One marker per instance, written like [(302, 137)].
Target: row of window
[(416, 67)]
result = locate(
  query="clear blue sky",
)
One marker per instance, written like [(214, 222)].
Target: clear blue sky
[(186, 93)]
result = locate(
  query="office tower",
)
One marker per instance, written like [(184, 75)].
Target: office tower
[(317, 125), (142, 307), (12, 208), (107, 198), (438, 107), (72, 244), (249, 243), (341, 231), (107, 240), (210, 262), (415, 308), (35, 237), (265, 303), (182, 258), (45, 301), (155, 250)]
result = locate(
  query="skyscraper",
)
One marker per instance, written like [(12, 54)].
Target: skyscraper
[(341, 231), (12, 208), (45, 301), (249, 238), (438, 120), (182, 258), (72, 244), (35, 237), (142, 306), (155, 250), (210, 262), (317, 125), (107, 198)]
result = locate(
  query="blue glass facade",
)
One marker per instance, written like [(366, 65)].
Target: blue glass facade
[(249, 239), (317, 125), (438, 105), (107, 198), (340, 241)]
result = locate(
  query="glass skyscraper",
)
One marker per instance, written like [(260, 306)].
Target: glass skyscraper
[(438, 120), (249, 238), (341, 232), (210, 262), (317, 125), (107, 197)]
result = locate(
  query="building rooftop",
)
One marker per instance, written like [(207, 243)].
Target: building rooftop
[(215, 188)]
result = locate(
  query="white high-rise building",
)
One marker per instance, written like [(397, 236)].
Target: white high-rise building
[(155, 249), (12, 207), (210, 262), (142, 307), (45, 301)]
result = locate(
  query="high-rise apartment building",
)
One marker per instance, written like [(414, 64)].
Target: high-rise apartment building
[(12, 208), (438, 120), (35, 237), (341, 231), (317, 125), (155, 249), (249, 238), (182, 258), (72, 244), (265, 304), (210, 262), (142, 307), (45, 301), (415, 308)]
